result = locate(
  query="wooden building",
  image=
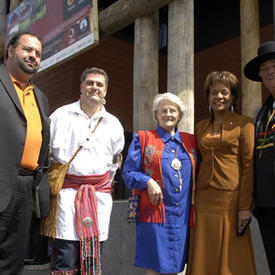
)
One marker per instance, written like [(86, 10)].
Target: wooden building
[(155, 46), (151, 46)]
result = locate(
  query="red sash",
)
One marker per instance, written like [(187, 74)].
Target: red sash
[(86, 219)]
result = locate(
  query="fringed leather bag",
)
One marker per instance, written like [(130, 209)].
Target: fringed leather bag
[(57, 173)]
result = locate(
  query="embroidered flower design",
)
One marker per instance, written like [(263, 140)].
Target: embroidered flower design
[(150, 150), (148, 172)]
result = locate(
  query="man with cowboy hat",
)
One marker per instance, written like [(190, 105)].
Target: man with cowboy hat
[(262, 68)]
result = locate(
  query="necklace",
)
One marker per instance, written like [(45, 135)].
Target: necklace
[(215, 132), (176, 163), (87, 139)]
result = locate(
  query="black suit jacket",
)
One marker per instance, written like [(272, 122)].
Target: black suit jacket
[(264, 166), (13, 126)]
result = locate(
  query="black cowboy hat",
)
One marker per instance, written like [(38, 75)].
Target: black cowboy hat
[(266, 51)]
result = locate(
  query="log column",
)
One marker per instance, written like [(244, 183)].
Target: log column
[(180, 78), (145, 70), (250, 37)]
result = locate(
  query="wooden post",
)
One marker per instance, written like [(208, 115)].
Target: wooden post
[(145, 70), (180, 78), (250, 37)]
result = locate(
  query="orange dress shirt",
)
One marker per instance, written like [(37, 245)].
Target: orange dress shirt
[(33, 140)]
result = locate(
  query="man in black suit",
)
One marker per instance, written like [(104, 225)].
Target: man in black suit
[(262, 69), (24, 139)]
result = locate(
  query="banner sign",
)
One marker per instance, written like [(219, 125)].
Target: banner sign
[(66, 26)]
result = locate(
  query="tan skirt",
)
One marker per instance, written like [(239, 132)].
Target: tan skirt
[(215, 248)]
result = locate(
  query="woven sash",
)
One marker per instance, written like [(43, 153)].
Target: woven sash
[(86, 219)]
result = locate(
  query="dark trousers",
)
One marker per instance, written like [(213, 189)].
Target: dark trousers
[(266, 221), (66, 256), (14, 227), (37, 244)]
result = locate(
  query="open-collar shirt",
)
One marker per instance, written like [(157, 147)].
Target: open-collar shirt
[(70, 128)]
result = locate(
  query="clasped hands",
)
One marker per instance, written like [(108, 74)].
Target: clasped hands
[(154, 192), (156, 197)]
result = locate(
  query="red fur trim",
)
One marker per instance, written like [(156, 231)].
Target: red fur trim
[(150, 213)]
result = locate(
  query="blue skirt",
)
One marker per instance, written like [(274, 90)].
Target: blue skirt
[(163, 247)]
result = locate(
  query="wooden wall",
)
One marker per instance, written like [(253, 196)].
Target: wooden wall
[(61, 84), (225, 56)]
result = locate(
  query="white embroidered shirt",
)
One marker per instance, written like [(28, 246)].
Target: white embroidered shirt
[(70, 128)]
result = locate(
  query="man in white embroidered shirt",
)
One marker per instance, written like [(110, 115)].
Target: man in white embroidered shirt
[(85, 202)]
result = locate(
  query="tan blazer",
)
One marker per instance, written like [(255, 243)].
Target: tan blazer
[(227, 159)]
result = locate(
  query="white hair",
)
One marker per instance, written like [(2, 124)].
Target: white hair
[(170, 97)]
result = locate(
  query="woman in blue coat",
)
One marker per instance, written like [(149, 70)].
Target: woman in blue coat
[(160, 166)]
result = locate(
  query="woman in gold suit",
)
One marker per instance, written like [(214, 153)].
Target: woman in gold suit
[(220, 241)]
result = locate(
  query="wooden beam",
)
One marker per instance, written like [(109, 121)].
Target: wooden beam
[(180, 80), (145, 71), (250, 39), (124, 12)]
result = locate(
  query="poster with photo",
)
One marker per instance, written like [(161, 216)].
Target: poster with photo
[(66, 27)]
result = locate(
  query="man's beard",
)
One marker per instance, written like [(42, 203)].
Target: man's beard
[(25, 68)]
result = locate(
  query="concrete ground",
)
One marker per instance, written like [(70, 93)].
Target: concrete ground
[(119, 250), (36, 270), (43, 270)]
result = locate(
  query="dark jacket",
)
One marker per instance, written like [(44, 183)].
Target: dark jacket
[(13, 126), (264, 155)]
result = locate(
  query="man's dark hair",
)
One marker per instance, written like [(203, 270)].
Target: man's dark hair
[(14, 40), (94, 70)]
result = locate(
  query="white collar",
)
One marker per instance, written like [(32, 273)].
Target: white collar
[(77, 109)]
